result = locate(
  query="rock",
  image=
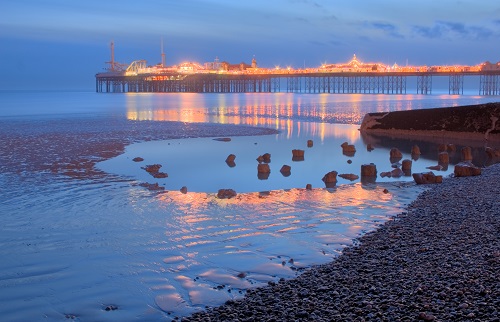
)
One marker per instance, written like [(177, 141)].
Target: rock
[(385, 191), (152, 186), (231, 164), (368, 170), (466, 169), (406, 166), (223, 139), (348, 149), (443, 158), (349, 161), (395, 154), (385, 174), (442, 148), (435, 167), (263, 175), (330, 177), (415, 150), (297, 153), (226, 193), (309, 186), (267, 157), (184, 190), (159, 175), (310, 143), (349, 176), (263, 168), (396, 173), (451, 147), (286, 170), (138, 159), (230, 158), (369, 147), (152, 168), (492, 153), (466, 153), (427, 178)]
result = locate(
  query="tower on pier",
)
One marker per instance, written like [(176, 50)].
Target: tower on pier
[(162, 55)]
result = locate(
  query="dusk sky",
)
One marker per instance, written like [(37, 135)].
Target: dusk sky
[(62, 44)]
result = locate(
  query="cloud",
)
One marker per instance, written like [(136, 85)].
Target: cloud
[(307, 2), (450, 30), (385, 27)]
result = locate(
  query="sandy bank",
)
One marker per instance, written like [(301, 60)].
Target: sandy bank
[(72, 146), (473, 122)]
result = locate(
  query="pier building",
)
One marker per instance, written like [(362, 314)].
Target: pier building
[(354, 76)]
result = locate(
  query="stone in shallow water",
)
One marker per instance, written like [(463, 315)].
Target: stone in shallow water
[(466, 169)]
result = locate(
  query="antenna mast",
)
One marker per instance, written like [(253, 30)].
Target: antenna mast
[(112, 56), (162, 55)]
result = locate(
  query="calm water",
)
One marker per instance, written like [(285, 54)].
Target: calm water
[(72, 247)]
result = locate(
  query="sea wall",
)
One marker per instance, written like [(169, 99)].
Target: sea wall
[(473, 122)]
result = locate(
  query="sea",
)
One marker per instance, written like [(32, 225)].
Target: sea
[(106, 248)]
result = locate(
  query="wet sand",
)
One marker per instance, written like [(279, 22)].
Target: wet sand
[(72, 146)]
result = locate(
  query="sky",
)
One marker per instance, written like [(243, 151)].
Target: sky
[(62, 44)]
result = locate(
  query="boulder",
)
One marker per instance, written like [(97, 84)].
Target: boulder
[(369, 147), (467, 153), (442, 148), (296, 153), (368, 170), (184, 190), (385, 174), (230, 158), (330, 177), (443, 158), (349, 176), (492, 153), (152, 168), (267, 157), (415, 150), (231, 164), (396, 154), (348, 149), (406, 165), (226, 193), (159, 175), (309, 186), (260, 159), (396, 173), (466, 169), (286, 170), (138, 159), (451, 147), (263, 168), (427, 178), (310, 143)]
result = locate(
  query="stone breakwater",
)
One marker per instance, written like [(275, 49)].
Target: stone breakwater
[(473, 122), (438, 261)]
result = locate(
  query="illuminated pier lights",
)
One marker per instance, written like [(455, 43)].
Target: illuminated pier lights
[(354, 76)]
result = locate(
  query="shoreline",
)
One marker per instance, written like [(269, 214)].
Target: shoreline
[(439, 260)]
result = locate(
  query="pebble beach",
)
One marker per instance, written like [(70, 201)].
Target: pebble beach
[(437, 261)]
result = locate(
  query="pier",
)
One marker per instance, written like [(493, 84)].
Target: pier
[(353, 77)]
